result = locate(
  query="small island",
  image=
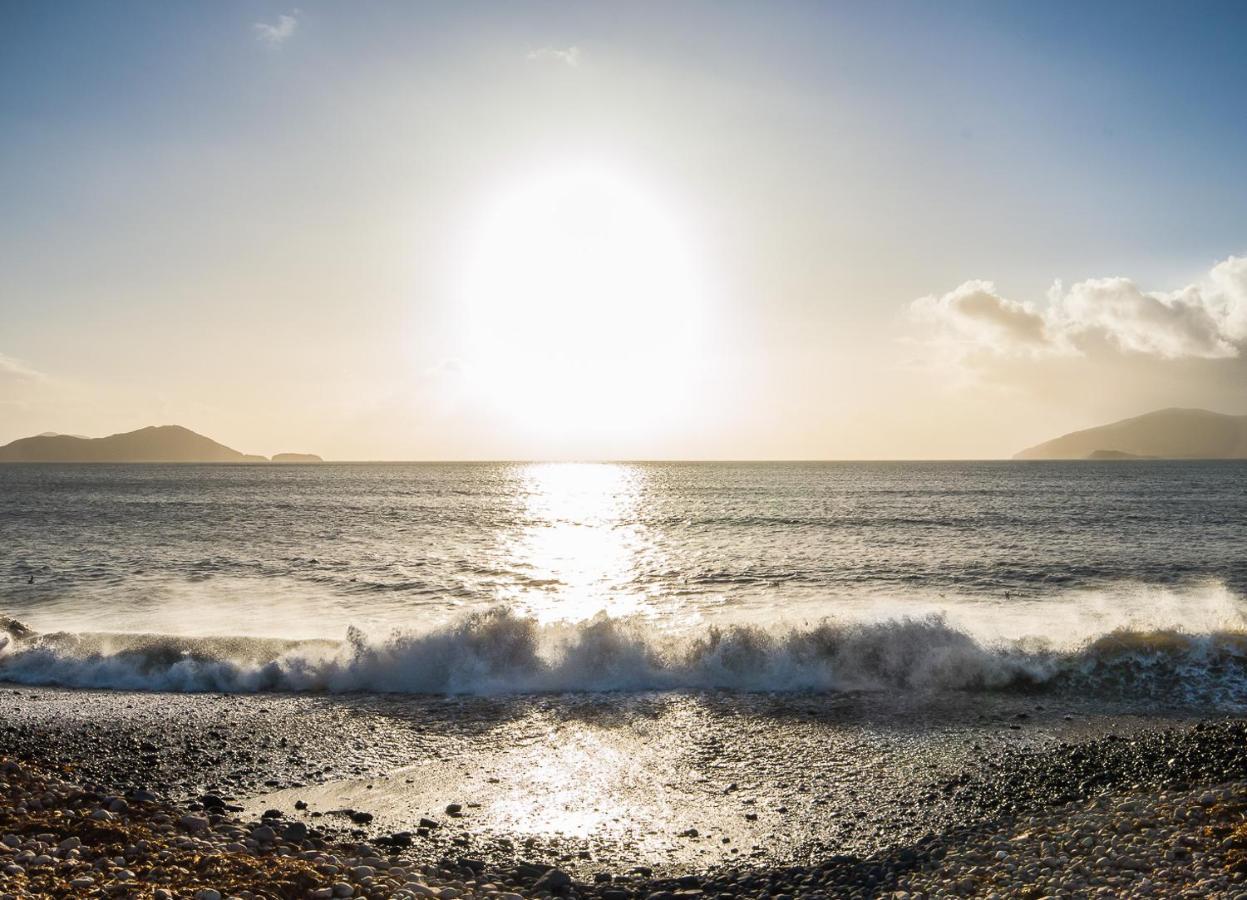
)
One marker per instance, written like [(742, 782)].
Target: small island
[(1115, 454), (296, 458)]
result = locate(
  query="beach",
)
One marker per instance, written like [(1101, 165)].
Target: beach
[(686, 795)]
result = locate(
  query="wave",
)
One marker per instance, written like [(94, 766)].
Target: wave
[(499, 651)]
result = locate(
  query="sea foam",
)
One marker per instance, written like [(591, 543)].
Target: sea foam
[(499, 651)]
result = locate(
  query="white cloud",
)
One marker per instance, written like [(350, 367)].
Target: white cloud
[(570, 56), (15, 370), (277, 34), (976, 313), (1205, 320)]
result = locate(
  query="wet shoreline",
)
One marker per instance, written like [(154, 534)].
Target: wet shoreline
[(700, 785)]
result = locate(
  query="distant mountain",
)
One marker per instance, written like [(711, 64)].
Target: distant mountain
[(1165, 434), (162, 443)]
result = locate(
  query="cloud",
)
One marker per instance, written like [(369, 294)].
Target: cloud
[(977, 313), (277, 34), (15, 370), (571, 56), (1205, 320)]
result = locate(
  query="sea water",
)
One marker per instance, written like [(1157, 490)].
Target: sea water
[(1115, 576)]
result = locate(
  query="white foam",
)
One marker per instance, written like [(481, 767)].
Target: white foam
[(1193, 642)]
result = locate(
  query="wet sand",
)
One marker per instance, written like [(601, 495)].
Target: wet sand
[(636, 790)]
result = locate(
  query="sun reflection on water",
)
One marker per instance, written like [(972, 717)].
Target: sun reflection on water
[(577, 547)]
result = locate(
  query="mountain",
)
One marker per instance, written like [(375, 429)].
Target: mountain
[(157, 443), (1165, 434)]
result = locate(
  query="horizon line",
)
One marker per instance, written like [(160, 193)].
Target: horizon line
[(587, 461)]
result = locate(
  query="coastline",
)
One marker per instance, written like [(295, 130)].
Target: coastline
[(1123, 804)]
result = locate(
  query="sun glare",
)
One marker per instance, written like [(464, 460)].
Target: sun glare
[(583, 306)]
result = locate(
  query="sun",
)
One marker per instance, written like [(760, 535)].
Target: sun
[(583, 304)]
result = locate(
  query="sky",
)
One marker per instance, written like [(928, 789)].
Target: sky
[(620, 231)]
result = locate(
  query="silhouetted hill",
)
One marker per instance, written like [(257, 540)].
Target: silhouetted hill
[(296, 458), (1166, 433), (163, 443)]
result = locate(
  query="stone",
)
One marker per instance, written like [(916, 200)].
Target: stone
[(194, 823), (553, 881)]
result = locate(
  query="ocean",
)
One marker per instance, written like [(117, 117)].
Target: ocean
[(1127, 578)]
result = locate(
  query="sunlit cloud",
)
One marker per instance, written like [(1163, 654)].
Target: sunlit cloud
[(1204, 320), (279, 32), (976, 313), (569, 56), (15, 370)]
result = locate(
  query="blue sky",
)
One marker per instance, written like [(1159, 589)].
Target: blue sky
[(188, 194)]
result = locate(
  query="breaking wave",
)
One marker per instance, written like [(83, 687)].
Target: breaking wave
[(498, 651)]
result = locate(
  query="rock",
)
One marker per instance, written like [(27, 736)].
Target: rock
[(194, 823), (361, 818), (264, 834), (342, 889), (295, 831), (454, 809), (553, 881)]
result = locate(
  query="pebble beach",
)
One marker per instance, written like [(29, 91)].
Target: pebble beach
[(1152, 810)]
